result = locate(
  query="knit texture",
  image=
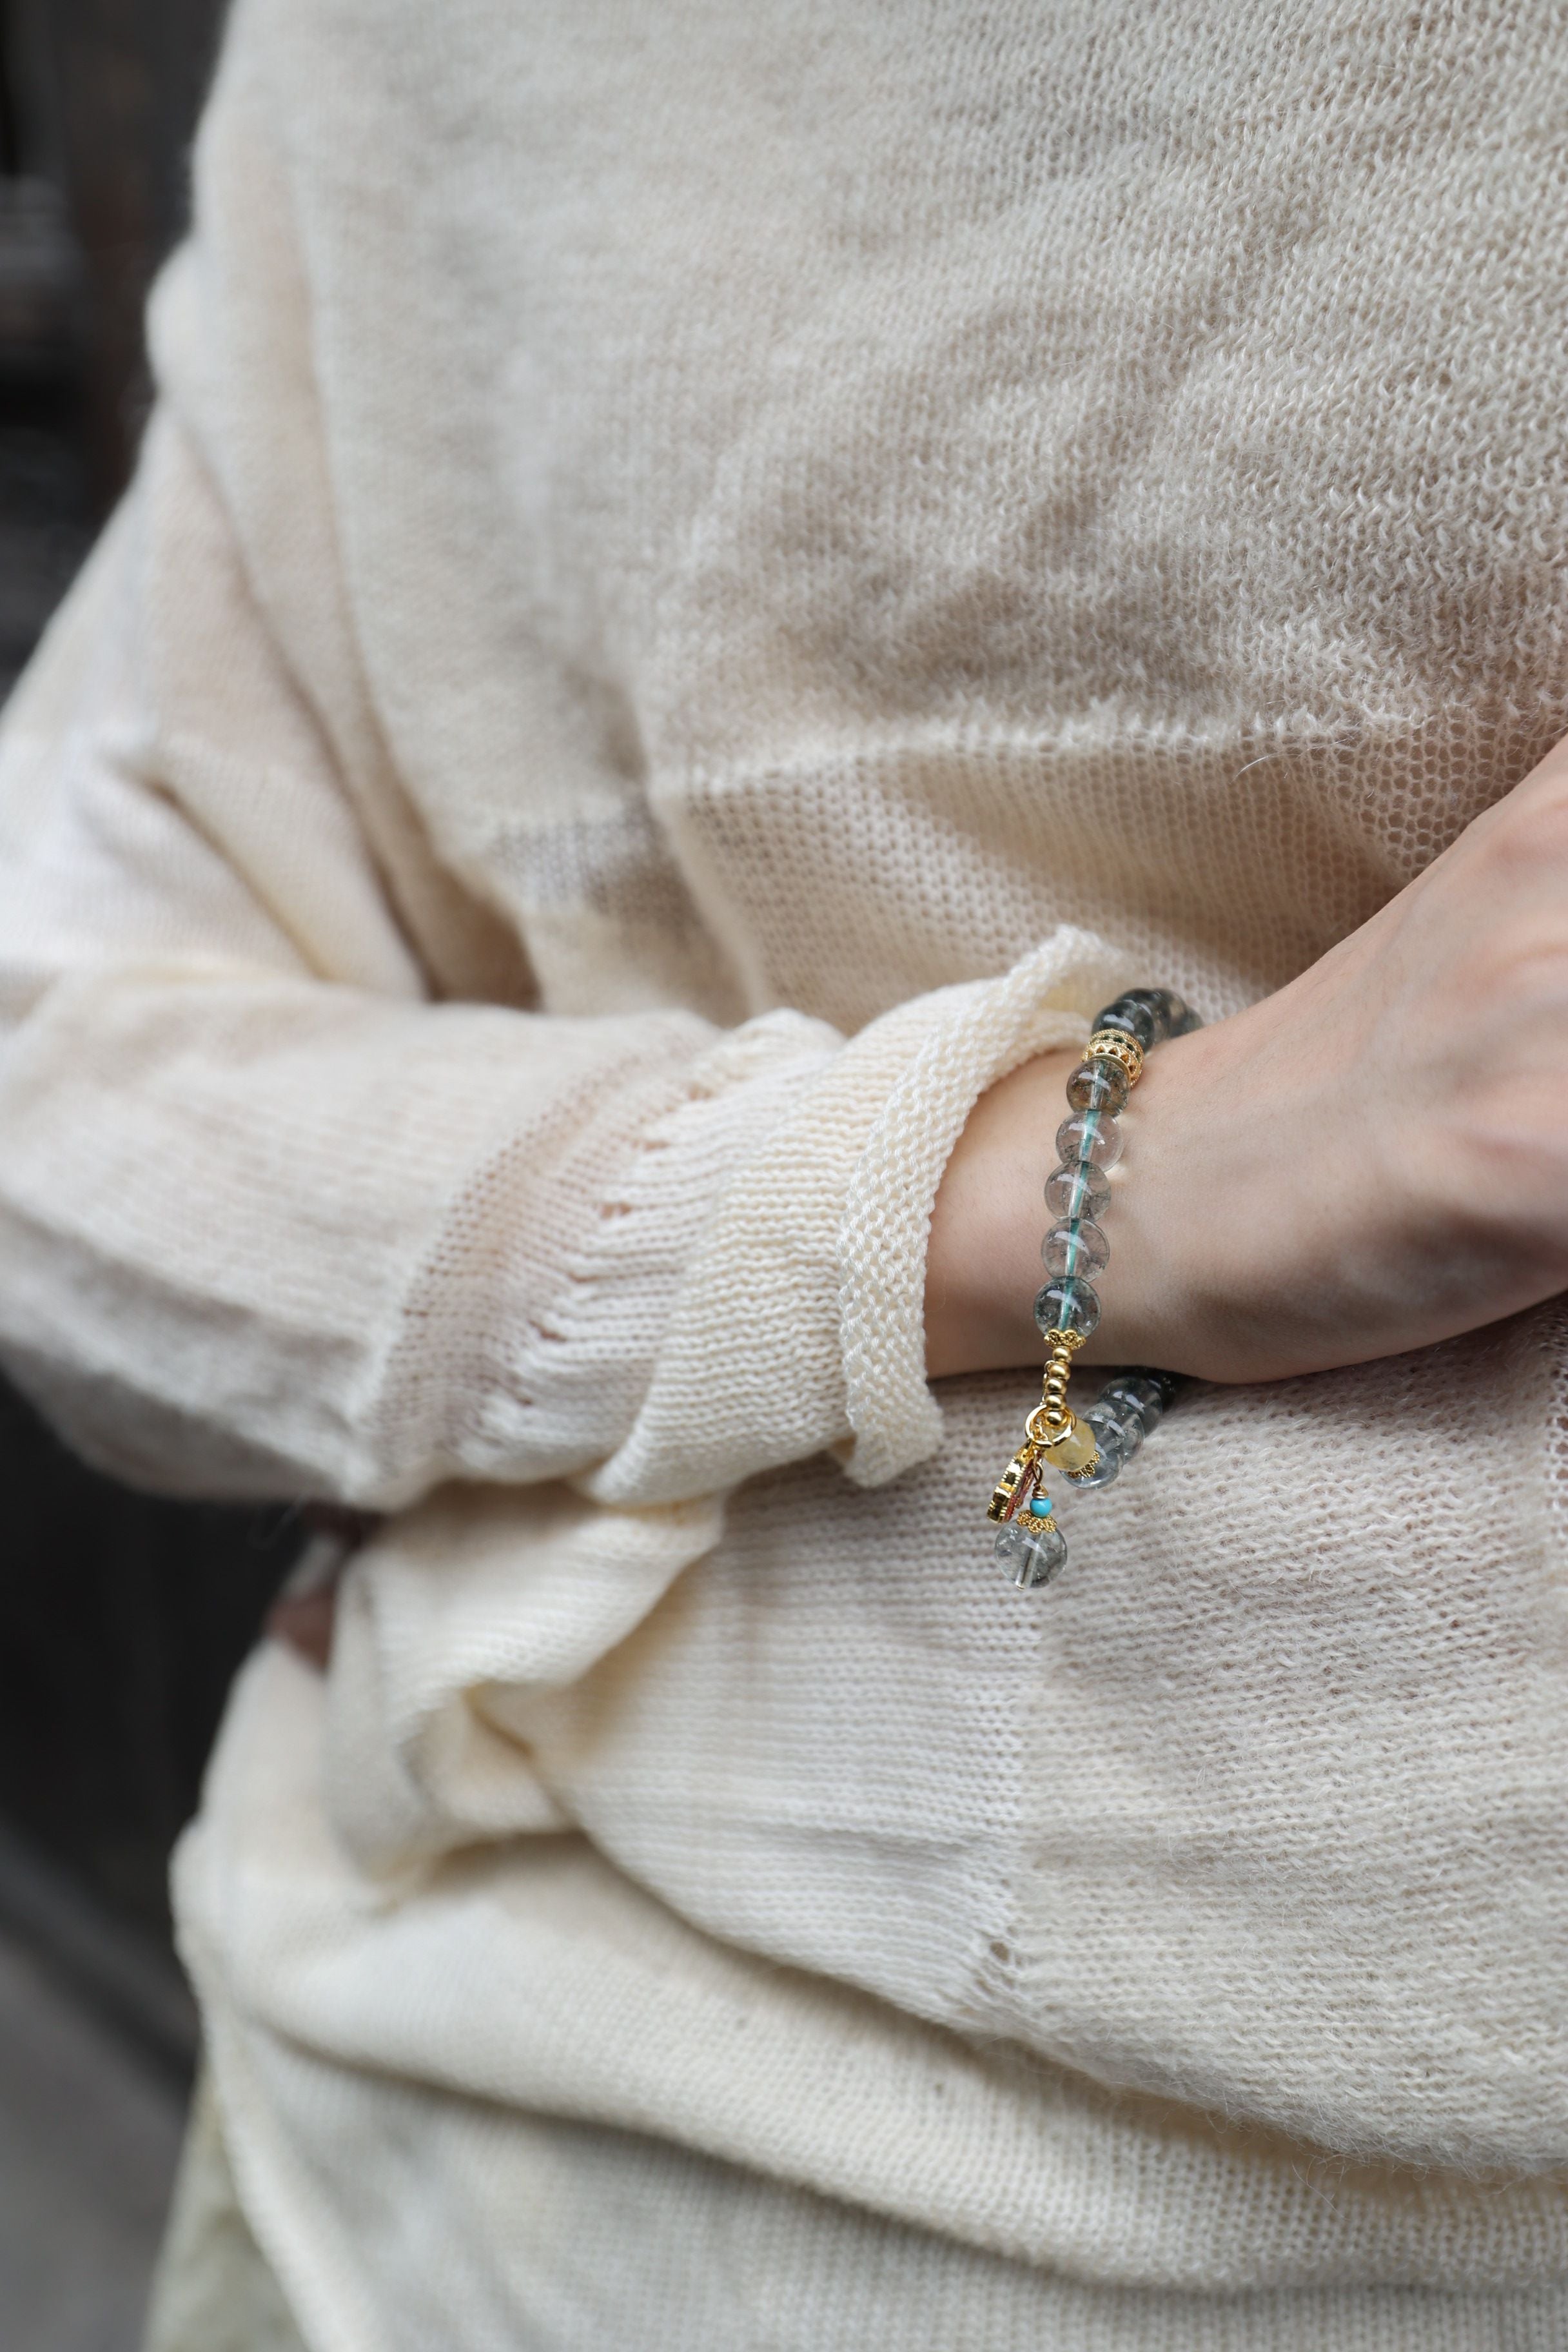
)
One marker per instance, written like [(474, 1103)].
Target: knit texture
[(706, 582)]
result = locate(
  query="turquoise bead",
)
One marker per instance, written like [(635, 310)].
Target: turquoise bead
[(1040, 1504)]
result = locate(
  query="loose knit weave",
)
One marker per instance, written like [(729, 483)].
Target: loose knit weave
[(706, 580)]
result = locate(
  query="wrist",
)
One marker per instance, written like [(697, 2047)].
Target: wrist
[(983, 1259), (1148, 1314)]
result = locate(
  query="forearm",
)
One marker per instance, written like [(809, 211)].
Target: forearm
[(1372, 1160)]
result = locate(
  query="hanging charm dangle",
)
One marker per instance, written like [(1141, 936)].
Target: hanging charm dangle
[(1014, 1485), (1031, 1547), (1089, 1453)]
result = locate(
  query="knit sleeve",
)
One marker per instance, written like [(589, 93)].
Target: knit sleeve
[(278, 1218)]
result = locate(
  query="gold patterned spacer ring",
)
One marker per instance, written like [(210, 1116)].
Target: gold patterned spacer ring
[(1115, 1046)]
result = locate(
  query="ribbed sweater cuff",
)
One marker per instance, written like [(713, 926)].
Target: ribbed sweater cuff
[(798, 1324)]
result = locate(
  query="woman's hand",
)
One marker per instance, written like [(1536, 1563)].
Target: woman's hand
[(1370, 1159)]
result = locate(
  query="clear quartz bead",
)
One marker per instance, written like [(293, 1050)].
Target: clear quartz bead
[(1091, 1135), (1112, 1451), (1098, 1084), (1127, 1421), (1077, 1191), (1031, 1554), (1133, 1402), (1068, 1304), (1076, 1248)]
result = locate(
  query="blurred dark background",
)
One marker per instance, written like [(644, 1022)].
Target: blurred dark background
[(123, 1618)]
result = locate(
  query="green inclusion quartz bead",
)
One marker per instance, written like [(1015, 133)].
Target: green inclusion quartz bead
[(1079, 1248), (1031, 1555), (1166, 1008), (1091, 1135), (1068, 1304), (1134, 1018), (1077, 1192), (1099, 1084)]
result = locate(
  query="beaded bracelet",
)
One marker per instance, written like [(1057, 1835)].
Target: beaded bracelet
[(1088, 1453)]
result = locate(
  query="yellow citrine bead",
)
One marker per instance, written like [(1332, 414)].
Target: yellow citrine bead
[(1075, 1449)]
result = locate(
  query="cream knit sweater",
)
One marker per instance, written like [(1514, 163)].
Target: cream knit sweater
[(707, 579)]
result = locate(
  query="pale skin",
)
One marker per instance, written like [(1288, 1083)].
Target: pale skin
[(1373, 1159)]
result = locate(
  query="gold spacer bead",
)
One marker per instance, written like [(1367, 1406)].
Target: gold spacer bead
[(1115, 1046)]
